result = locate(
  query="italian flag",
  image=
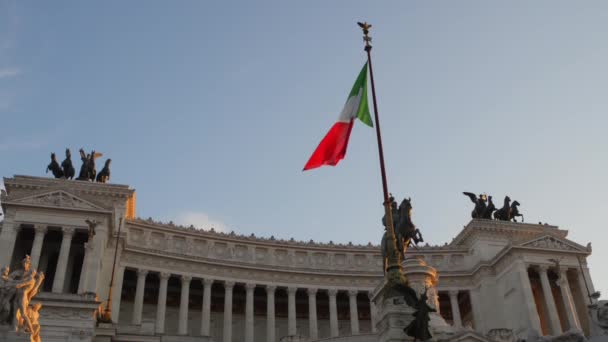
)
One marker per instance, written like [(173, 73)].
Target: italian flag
[(332, 148)]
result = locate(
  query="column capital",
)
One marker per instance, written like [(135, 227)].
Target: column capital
[(291, 290), (250, 286), (228, 284), (207, 282), (543, 268), (352, 292), (370, 295), (68, 232), (142, 273), (186, 279), (40, 228), (453, 293), (270, 289), (165, 275), (332, 292), (312, 291)]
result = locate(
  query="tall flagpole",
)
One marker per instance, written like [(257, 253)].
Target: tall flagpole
[(394, 271)]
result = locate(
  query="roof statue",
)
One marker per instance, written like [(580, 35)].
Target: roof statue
[(104, 175), (17, 289), (87, 169), (66, 165), (485, 208), (54, 167)]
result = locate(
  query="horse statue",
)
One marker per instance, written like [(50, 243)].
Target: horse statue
[(104, 175), (504, 213), (515, 212), (480, 204), (54, 167), (405, 230), (66, 165), (487, 213), (87, 170)]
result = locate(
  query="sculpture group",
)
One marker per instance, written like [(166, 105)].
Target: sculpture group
[(485, 209), (17, 288), (405, 230), (87, 170)]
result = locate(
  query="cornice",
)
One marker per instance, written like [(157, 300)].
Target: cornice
[(504, 228), (91, 188)]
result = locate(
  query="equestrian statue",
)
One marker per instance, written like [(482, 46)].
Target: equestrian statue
[(405, 230)]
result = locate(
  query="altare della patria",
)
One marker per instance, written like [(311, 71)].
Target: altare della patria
[(78, 264)]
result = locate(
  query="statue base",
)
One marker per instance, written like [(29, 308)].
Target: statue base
[(393, 316), (8, 334)]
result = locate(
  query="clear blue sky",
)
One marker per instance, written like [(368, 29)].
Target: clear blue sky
[(210, 109)]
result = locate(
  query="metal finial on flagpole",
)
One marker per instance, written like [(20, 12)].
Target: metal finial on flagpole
[(394, 270)]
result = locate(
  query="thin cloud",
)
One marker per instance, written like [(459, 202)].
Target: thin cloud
[(200, 220), (9, 72)]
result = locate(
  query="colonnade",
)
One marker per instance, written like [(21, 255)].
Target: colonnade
[(250, 287), (564, 301), (40, 232)]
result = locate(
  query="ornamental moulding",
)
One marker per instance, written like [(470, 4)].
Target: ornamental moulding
[(56, 199)]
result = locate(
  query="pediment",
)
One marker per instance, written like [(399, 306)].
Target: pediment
[(554, 243), (58, 199)]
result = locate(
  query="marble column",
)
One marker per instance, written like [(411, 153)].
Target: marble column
[(117, 293), (312, 314), (372, 312), (62, 261), (182, 328), (291, 311), (354, 313), (228, 287), (37, 245), (583, 287), (564, 286), (250, 288), (554, 323), (270, 327), (333, 313), (138, 304), (455, 308), (529, 304), (206, 307), (8, 237), (162, 303)]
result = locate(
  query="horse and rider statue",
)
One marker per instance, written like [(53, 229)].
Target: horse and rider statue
[(485, 209), (405, 230), (87, 170)]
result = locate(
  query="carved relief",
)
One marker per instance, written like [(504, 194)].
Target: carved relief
[(179, 244), (550, 242), (136, 236), (60, 199), (157, 240)]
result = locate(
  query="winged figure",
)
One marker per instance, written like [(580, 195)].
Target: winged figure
[(480, 204), (87, 170), (419, 327)]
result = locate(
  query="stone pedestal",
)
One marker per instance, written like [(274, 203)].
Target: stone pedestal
[(67, 315), (393, 316), (293, 338)]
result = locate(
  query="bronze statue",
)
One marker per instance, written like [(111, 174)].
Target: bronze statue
[(490, 208), (54, 167), (515, 212), (104, 175), (419, 327), (87, 170), (509, 211), (92, 224), (404, 227), (405, 230), (480, 204), (66, 165)]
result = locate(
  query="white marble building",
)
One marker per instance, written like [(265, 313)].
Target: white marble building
[(184, 284)]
